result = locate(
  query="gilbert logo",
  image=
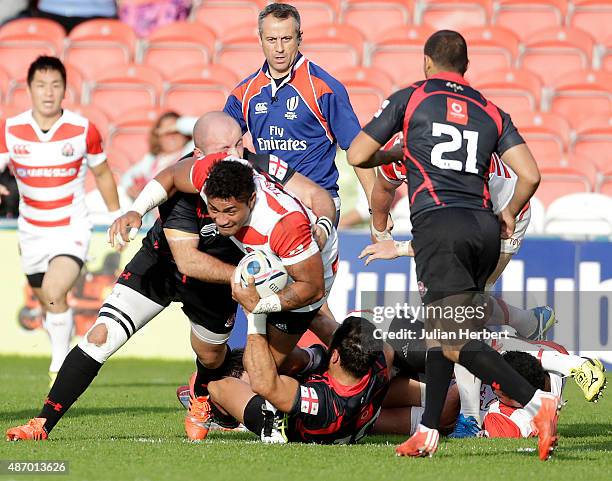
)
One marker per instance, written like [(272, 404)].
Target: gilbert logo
[(292, 105), (20, 150), (456, 111)]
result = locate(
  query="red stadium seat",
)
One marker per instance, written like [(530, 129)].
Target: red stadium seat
[(178, 45), (119, 160), (553, 52), (34, 30), (132, 137), (375, 17), (17, 56), (223, 16), (316, 12), (525, 17), (604, 185), (455, 14), (143, 114), (97, 44), (606, 54), (582, 94), (400, 54), (593, 140), (490, 48), (546, 134), (594, 16), (511, 90), (195, 91), (367, 89), (5, 82), (122, 87), (7, 111), (558, 181), (94, 114), (240, 51), (333, 46)]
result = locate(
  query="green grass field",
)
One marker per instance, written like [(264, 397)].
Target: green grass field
[(129, 426)]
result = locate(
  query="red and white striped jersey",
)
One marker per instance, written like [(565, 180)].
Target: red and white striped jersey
[(50, 168), (502, 179), (279, 224)]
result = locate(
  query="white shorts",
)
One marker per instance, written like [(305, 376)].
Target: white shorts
[(38, 249), (512, 245)]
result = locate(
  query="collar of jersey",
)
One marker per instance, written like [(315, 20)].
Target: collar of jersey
[(346, 391), (299, 61), (450, 76)]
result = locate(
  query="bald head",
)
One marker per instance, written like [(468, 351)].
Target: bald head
[(218, 132)]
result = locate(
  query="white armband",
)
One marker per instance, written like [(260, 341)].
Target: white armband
[(403, 248), (151, 196), (268, 304), (256, 323)]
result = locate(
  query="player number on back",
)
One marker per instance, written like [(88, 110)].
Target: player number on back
[(454, 145)]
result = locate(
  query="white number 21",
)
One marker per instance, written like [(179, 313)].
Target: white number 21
[(454, 145)]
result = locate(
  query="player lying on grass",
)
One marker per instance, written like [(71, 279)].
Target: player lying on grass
[(182, 259), (338, 406)]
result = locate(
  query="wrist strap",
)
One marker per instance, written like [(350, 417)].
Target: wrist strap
[(151, 196), (256, 323), (268, 304), (380, 235), (403, 248)]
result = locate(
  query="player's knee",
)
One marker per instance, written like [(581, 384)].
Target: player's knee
[(54, 296), (98, 335), (215, 388)]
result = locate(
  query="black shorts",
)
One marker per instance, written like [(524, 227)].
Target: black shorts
[(455, 250), (292, 322), (158, 279)]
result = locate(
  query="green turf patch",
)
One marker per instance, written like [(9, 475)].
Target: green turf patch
[(129, 426)]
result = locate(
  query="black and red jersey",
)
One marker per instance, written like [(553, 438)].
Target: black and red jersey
[(327, 412), (450, 133)]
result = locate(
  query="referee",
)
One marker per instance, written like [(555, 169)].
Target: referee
[(450, 132)]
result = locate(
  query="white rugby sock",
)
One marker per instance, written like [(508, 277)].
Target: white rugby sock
[(559, 362), (523, 320), (469, 392), (59, 326)]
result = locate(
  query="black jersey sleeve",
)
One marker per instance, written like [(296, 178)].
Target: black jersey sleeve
[(509, 136), (390, 118), (314, 404), (271, 165), (180, 212)]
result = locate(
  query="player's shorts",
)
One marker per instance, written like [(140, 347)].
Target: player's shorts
[(209, 307), (291, 322), (455, 250), (37, 250), (512, 245)]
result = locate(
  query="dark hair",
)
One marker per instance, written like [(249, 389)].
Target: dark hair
[(528, 367), (229, 178), (448, 50), (45, 62), (281, 11), (355, 343)]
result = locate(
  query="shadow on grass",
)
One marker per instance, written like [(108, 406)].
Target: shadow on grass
[(104, 385), (584, 430), (24, 415)]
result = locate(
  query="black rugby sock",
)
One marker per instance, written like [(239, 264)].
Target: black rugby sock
[(74, 377), (438, 372), (487, 364), (204, 375)]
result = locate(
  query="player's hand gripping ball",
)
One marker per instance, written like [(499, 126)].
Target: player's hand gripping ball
[(269, 273)]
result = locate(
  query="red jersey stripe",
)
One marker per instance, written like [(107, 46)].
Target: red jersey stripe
[(47, 176), (24, 132), (48, 223), (48, 204), (67, 131)]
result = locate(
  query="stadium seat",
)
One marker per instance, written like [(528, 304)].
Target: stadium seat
[(94, 114), (511, 90), (122, 87), (197, 90), (119, 160), (316, 12), (582, 94), (132, 137), (143, 114), (34, 30), (556, 51), (605, 54), (240, 51), (399, 53), (223, 16), (367, 89), (558, 181), (5, 82), (594, 16), (490, 48), (604, 183), (579, 215), (333, 47), (375, 17), (593, 140), (18, 55), (453, 14), (546, 134), (178, 45), (525, 17), (536, 223), (97, 44)]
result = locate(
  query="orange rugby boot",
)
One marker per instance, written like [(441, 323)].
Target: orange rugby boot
[(545, 424), (422, 443), (34, 430)]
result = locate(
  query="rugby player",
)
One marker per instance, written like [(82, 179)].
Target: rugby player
[(50, 149)]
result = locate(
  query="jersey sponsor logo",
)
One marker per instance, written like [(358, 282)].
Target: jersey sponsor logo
[(68, 150), (309, 400), (456, 111), (261, 108), (267, 145), (382, 107), (25, 172), (292, 105), (454, 86), (21, 150)]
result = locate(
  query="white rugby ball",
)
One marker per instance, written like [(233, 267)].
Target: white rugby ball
[(269, 273)]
